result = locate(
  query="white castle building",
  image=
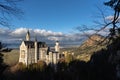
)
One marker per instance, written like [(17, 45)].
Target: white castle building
[(34, 51)]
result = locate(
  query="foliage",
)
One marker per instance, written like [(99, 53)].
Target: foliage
[(19, 66), (2, 65), (75, 70), (69, 58), (40, 66), (11, 58)]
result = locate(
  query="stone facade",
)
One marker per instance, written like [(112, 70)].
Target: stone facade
[(34, 51)]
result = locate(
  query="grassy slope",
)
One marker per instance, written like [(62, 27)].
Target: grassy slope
[(11, 58)]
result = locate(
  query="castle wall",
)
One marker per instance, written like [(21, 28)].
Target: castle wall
[(55, 58), (50, 57), (31, 55), (47, 59), (23, 54), (36, 51), (42, 54)]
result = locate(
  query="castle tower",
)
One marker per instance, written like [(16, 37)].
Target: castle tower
[(28, 36), (57, 47), (55, 58), (36, 49), (50, 57)]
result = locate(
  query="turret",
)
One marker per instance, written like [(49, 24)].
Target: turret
[(36, 49), (28, 36), (57, 47)]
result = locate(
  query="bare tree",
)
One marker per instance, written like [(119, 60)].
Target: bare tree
[(113, 23), (115, 5), (8, 8)]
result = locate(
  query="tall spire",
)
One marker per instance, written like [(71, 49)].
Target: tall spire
[(35, 38), (28, 36), (57, 47)]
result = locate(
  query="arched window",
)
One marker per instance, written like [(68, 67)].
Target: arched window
[(23, 54)]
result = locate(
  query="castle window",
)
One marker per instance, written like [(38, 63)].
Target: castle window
[(23, 54)]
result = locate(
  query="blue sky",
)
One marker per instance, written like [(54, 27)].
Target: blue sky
[(52, 20), (57, 15)]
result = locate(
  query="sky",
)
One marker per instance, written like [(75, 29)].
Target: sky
[(53, 20), (57, 15)]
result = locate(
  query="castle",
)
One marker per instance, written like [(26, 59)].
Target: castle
[(35, 51)]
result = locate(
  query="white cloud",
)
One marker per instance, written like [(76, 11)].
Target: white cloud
[(22, 31), (42, 34), (110, 18), (17, 35), (18, 32), (103, 32), (54, 38)]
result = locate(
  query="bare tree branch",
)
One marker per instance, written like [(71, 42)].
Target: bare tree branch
[(113, 23), (9, 8)]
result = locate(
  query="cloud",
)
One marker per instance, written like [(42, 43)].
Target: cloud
[(17, 35), (41, 33), (111, 18), (20, 32), (46, 33), (103, 32)]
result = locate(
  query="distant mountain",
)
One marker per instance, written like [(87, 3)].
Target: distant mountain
[(91, 45), (88, 47), (92, 41)]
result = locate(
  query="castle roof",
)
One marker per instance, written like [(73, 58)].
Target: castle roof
[(31, 44)]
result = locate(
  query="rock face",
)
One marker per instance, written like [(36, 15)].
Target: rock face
[(92, 41), (90, 46)]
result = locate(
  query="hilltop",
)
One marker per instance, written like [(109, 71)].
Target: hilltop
[(88, 47)]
